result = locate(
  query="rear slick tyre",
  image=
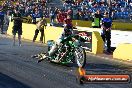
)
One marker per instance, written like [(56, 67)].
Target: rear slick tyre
[(80, 57)]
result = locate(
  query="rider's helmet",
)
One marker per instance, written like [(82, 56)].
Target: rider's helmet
[(67, 30)]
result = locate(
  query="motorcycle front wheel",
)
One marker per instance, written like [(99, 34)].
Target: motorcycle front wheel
[(80, 56)]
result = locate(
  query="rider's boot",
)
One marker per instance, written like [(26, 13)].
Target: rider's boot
[(44, 56), (34, 56)]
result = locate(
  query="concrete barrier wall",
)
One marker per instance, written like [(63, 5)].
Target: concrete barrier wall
[(122, 26), (53, 33), (28, 30), (81, 23), (97, 43), (116, 25), (123, 52)]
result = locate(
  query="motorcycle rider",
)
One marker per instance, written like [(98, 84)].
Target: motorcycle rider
[(67, 31), (66, 34)]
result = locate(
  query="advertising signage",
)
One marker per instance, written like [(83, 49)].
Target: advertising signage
[(88, 36)]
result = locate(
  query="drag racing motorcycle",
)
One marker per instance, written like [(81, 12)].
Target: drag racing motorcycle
[(69, 51)]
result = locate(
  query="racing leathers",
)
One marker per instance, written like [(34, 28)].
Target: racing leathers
[(64, 34)]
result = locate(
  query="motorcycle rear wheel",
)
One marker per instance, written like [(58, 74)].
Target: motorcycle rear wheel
[(80, 57)]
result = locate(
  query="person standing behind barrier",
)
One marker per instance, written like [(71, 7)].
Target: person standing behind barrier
[(35, 15), (60, 17), (41, 25), (17, 28), (96, 20), (52, 17), (6, 22), (68, 22), (106, 31), (1, 21)]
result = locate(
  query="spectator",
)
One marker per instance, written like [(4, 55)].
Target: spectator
[(131, 16), (6, 22), (74, 13), (52, 17), (69, 12), (60, 17), (1, 21), (78, 16), (35, 15), (106, 31), (96, 19), (68, 22), (86, 16), (55, 12), (17, 28)]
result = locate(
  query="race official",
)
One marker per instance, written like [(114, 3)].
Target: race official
[(106, 24)]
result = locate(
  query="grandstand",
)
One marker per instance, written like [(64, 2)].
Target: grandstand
[(81, 9), (120, 9)]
